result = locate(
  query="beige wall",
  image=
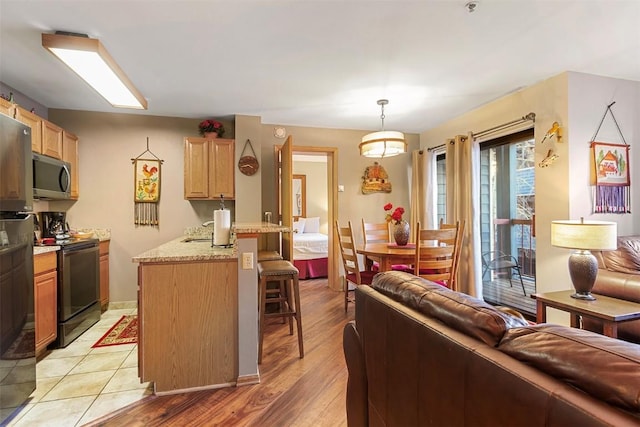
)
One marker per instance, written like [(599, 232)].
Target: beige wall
[(577, 102), (352, 204), (316, 191), (108, 142)]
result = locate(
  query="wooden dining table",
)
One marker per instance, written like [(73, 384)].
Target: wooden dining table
[(388, 254)]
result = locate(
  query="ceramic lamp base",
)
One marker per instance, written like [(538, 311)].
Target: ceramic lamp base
[(583, 269)]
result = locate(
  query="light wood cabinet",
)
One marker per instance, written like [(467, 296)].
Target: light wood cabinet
[(188, 324), (7, 107), (209, 166), (45, 284), (70, 154), (51, 140), (104, 275), (35, 123)]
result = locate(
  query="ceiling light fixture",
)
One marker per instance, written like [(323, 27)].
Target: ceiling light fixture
[(383, 143), (89, 59)]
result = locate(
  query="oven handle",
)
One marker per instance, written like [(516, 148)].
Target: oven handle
[(91, 248)]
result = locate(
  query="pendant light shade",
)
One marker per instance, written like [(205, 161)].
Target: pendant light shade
[(383, 143), (90, 60)]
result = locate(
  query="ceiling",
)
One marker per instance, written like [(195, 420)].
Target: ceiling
[(320, 63)]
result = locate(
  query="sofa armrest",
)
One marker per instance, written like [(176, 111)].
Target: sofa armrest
[(357, 397), (618, 285)]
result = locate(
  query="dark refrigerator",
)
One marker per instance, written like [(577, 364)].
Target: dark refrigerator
[(17, 314)]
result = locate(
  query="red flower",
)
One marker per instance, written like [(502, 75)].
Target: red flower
[(396, 216), (211, 126)]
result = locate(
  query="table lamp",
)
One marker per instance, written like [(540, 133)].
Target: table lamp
[(584, 236)]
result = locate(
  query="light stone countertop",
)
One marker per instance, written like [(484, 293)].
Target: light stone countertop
[(177, 250), (37, 250), (258, 227)]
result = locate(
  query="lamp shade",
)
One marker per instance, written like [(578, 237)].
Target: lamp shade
[(383, 144), (584, 235)]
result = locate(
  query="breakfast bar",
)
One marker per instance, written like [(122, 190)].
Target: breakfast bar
[(196, 308)]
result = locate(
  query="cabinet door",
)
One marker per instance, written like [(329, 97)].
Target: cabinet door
[(35, 123), (196, 168), (104, 275), (46, 305), (7, 107), (51, 139), (70, 154), (221, 171)]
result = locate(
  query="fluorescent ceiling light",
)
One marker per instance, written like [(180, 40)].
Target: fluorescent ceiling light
[(90, 60)]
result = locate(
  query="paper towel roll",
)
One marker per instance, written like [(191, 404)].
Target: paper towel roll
[(221, 226)]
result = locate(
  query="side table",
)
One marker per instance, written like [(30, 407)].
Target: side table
[(611, 311)]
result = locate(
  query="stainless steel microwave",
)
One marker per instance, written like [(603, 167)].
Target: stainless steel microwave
[(51, 178)]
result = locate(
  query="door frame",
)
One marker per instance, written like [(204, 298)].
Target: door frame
[(333, 273)]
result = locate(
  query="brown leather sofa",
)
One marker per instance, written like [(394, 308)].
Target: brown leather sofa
[(619, 277), (419, 354)]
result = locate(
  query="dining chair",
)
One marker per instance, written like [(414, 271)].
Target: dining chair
[(435, 257), (374, 233), (458, 243), (352, 272), (378, 233)]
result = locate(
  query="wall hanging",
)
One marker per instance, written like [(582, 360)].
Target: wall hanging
[(146, 190), (375, 180), (610, 173), (248, 165)]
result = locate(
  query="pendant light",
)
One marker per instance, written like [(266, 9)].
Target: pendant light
[(383, 143)]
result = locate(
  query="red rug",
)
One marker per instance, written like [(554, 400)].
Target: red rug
[(125, 331)]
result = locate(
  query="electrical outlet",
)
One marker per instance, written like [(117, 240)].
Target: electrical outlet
[(247, 261)]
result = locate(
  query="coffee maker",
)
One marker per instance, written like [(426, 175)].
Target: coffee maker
[(54, 224)]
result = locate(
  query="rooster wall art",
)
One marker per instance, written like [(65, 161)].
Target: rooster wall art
[(147, 191)]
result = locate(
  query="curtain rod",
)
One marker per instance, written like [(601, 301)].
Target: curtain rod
[(530, 116)]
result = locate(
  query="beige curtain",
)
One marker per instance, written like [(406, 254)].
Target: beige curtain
[(463, 204), (420, 187)]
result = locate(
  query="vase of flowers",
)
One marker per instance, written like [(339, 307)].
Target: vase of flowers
[(211, 128), (400, 226)]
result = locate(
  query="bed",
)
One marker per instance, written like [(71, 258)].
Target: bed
[(310, 251)]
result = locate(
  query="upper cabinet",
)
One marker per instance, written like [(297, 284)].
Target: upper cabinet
[(35, 123), (70, 154), (209, 168), (7, 107), (51, 140)]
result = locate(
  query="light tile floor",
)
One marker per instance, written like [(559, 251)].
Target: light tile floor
[(78, 384)]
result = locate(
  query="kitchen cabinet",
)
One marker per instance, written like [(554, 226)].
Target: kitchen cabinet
[(45, 282), (51, 140), (104, 275), (7, 107), (70, 154), (209, 168), (188, 324), (35, 123)]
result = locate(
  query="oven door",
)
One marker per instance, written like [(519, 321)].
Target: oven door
[(78, 280)]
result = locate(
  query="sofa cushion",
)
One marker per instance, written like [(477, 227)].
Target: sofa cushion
[(603, 367), (626, 259), (462, 312)]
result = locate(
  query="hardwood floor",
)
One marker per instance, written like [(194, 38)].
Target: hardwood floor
[(293, 391)]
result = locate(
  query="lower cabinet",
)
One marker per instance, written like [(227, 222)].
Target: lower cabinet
[(104, 275), (45, 283)]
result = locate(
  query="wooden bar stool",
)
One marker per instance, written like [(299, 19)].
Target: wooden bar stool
[(288, 296)]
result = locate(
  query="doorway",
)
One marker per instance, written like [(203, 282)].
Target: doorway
[(325, 158)]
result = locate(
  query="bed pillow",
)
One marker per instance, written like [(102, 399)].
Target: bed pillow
[(312, 225), (299, 225)]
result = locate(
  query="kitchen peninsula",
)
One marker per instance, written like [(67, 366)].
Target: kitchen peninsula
[(197, 312)]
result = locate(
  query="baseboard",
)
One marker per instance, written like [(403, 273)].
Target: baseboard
[(248, 379)]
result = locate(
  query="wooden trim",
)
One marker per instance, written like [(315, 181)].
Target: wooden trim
[(248, 380)]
